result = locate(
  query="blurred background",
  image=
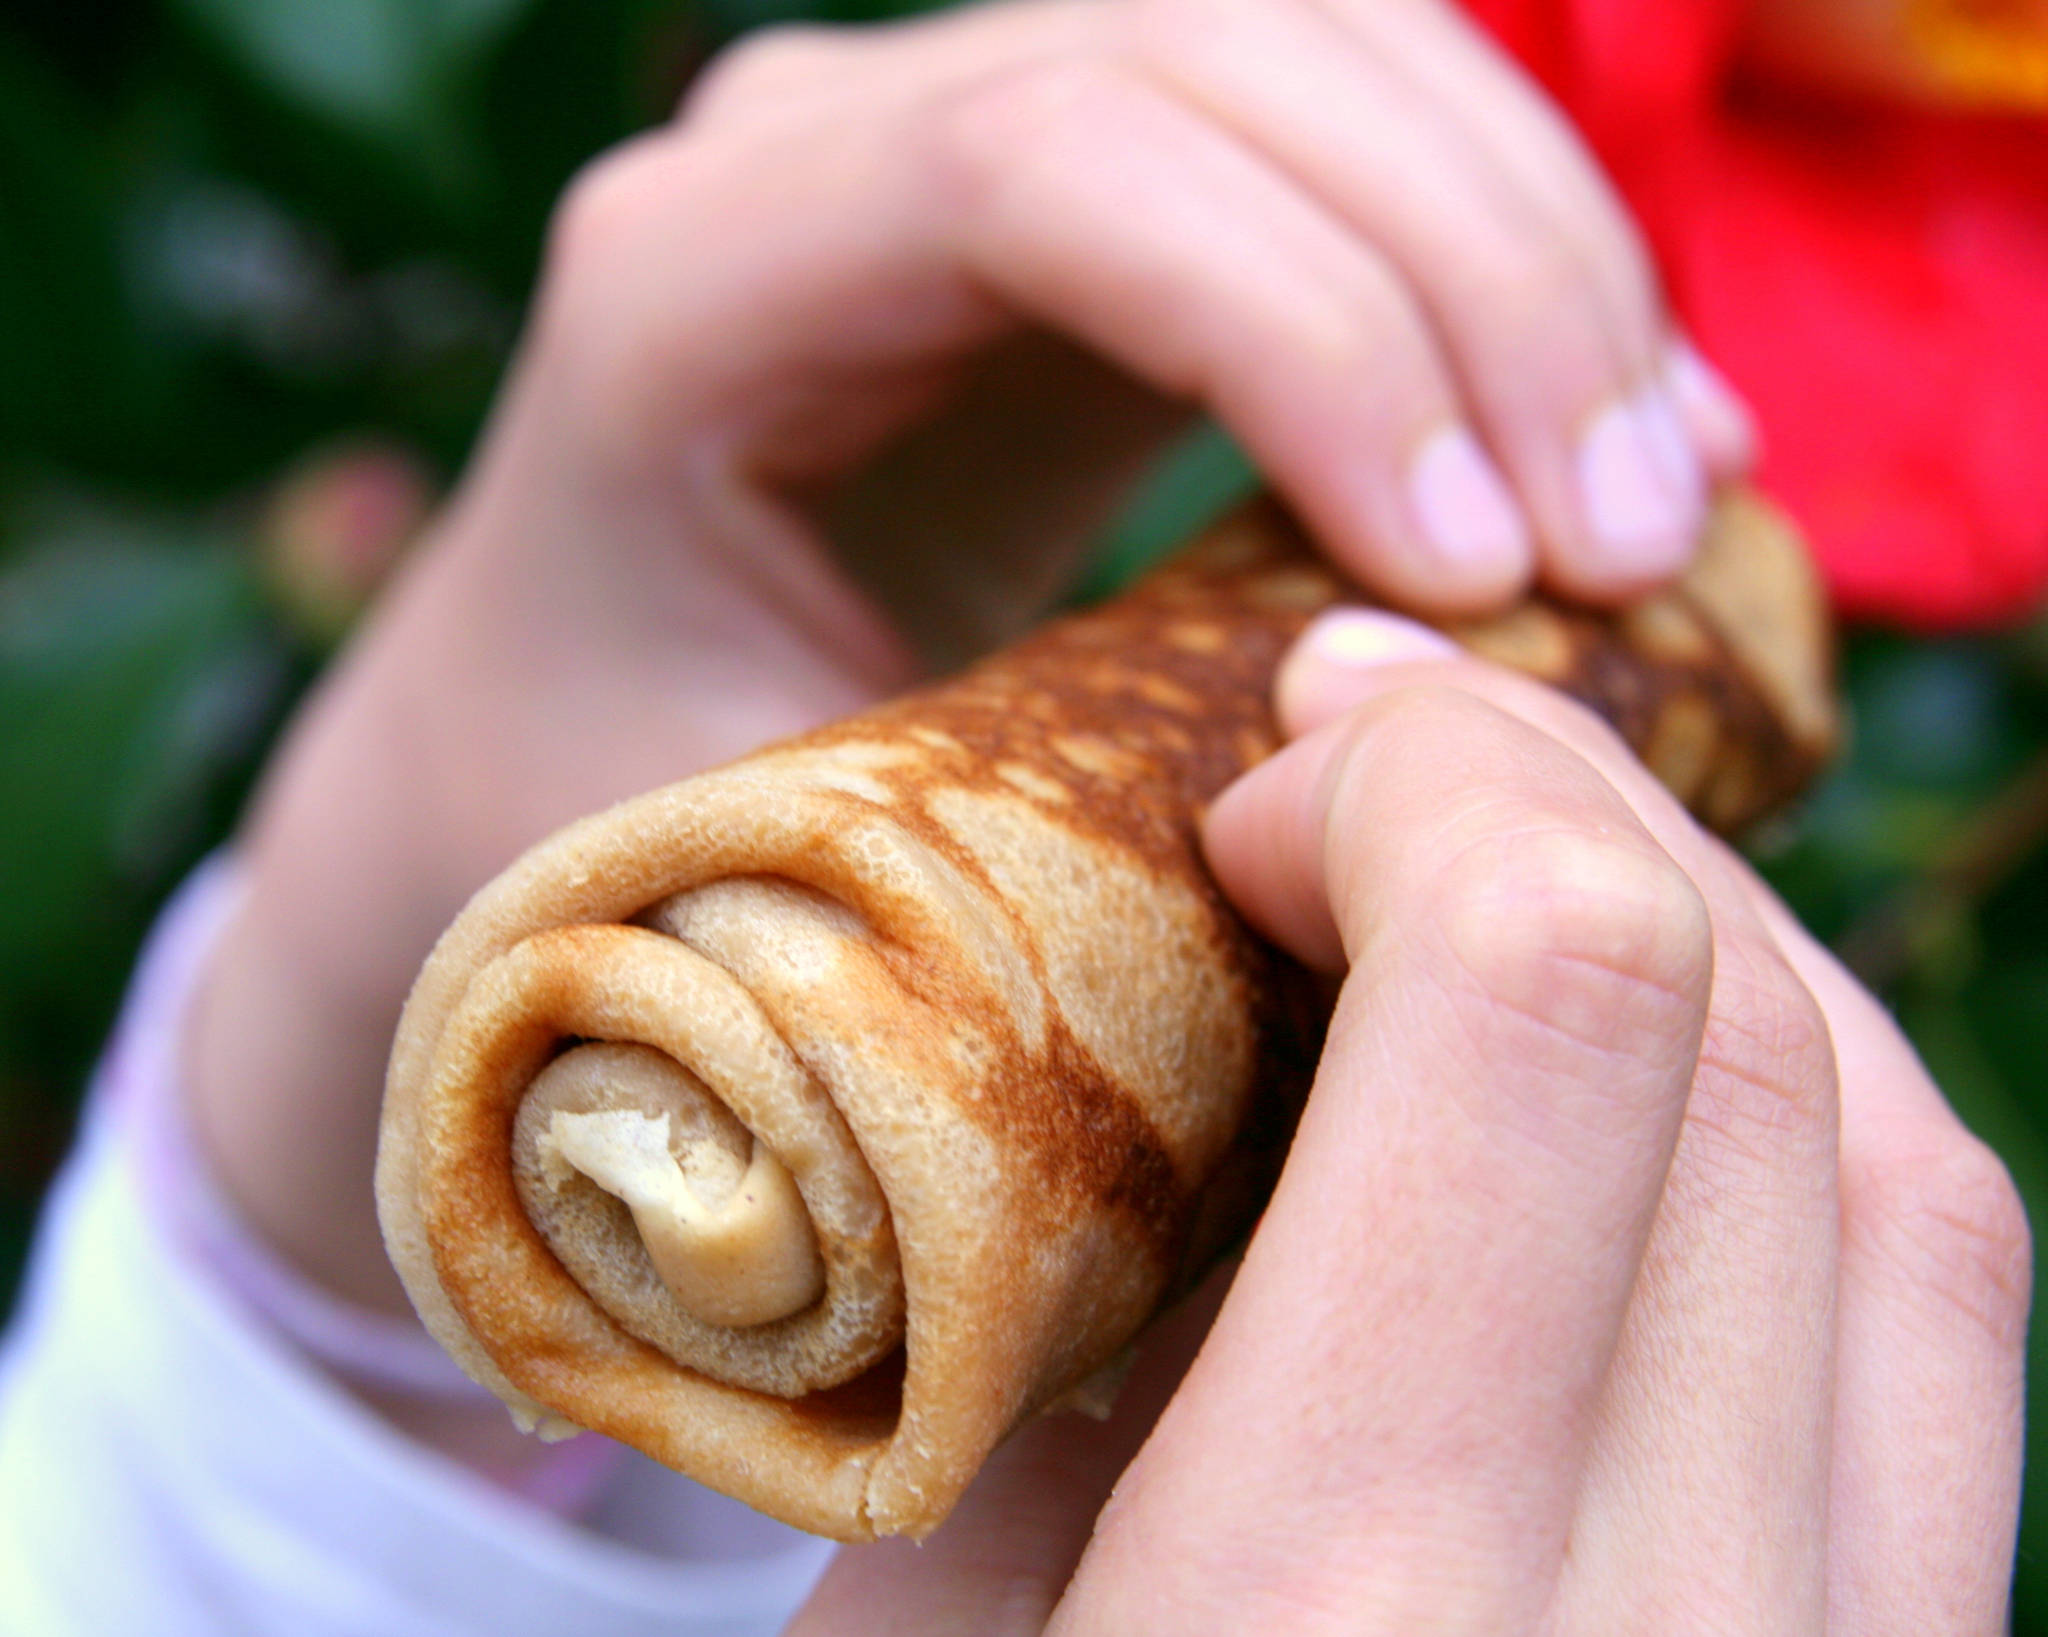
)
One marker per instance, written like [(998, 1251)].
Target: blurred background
[(260, 265)]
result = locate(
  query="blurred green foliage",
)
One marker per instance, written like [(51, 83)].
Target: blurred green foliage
[(233, 231)]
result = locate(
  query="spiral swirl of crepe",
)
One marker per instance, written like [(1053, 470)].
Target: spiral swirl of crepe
[(812, 1122)]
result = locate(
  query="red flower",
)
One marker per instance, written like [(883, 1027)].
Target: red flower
[(1870, 269)]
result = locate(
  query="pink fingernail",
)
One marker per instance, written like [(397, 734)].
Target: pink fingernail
[(1710, 405), (1464, 508), (1358, 638), (1641, 488), (1673, 448)]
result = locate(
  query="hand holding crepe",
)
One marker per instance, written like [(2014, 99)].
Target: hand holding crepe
[(812, 1122)]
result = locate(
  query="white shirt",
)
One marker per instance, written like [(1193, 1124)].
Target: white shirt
[(172, 1461)]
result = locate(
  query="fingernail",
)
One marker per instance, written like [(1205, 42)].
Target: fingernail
[(1464, 507), (1357, 638), (1714, 410), (1641, 487), (1325, 673), (1677, 459)]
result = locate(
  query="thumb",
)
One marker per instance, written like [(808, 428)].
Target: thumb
[(1388, 1426), (1266, 835)]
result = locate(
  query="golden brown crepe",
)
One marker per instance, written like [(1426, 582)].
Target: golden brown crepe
[(812, 1122)]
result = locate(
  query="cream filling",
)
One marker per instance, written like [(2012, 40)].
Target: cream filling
[(749, 1259)]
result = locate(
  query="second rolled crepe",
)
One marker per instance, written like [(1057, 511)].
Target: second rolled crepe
[(811, 1123)]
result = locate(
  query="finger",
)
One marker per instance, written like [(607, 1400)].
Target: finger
[(799, 74), (1069, 195), (1930, 1395), (1707, 1494), (1269, 852), (1718, 1425), (831, 316), (1098, 203), (1720, 421), (1387, 1422), (792, 71), (1934, 1254), (1445, 55), (1565, 376), (1002, 1559)]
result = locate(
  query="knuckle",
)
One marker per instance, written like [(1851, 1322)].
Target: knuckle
[(1615, 252), (1532, 302), (762, 68), (601, 347), (1767, 1072), (1155, 30), (1583, 258), (1349, 318), (1566, 958), (1597, 937), (1942, 1213), (1377, 330), (602, 212), (983, 131), (1172, 32), (1630, 276), (1529, 276)]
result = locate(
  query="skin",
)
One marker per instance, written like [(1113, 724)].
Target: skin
[(1749, 1343), (1628, 1273)]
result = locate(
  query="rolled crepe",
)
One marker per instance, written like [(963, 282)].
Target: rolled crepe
[(812, 1122)]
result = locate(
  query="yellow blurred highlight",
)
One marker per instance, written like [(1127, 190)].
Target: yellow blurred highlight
[(1984, 55)]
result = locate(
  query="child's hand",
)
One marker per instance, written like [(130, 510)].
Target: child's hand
[(1629, 1275), (1349, 229), (920, 299)]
